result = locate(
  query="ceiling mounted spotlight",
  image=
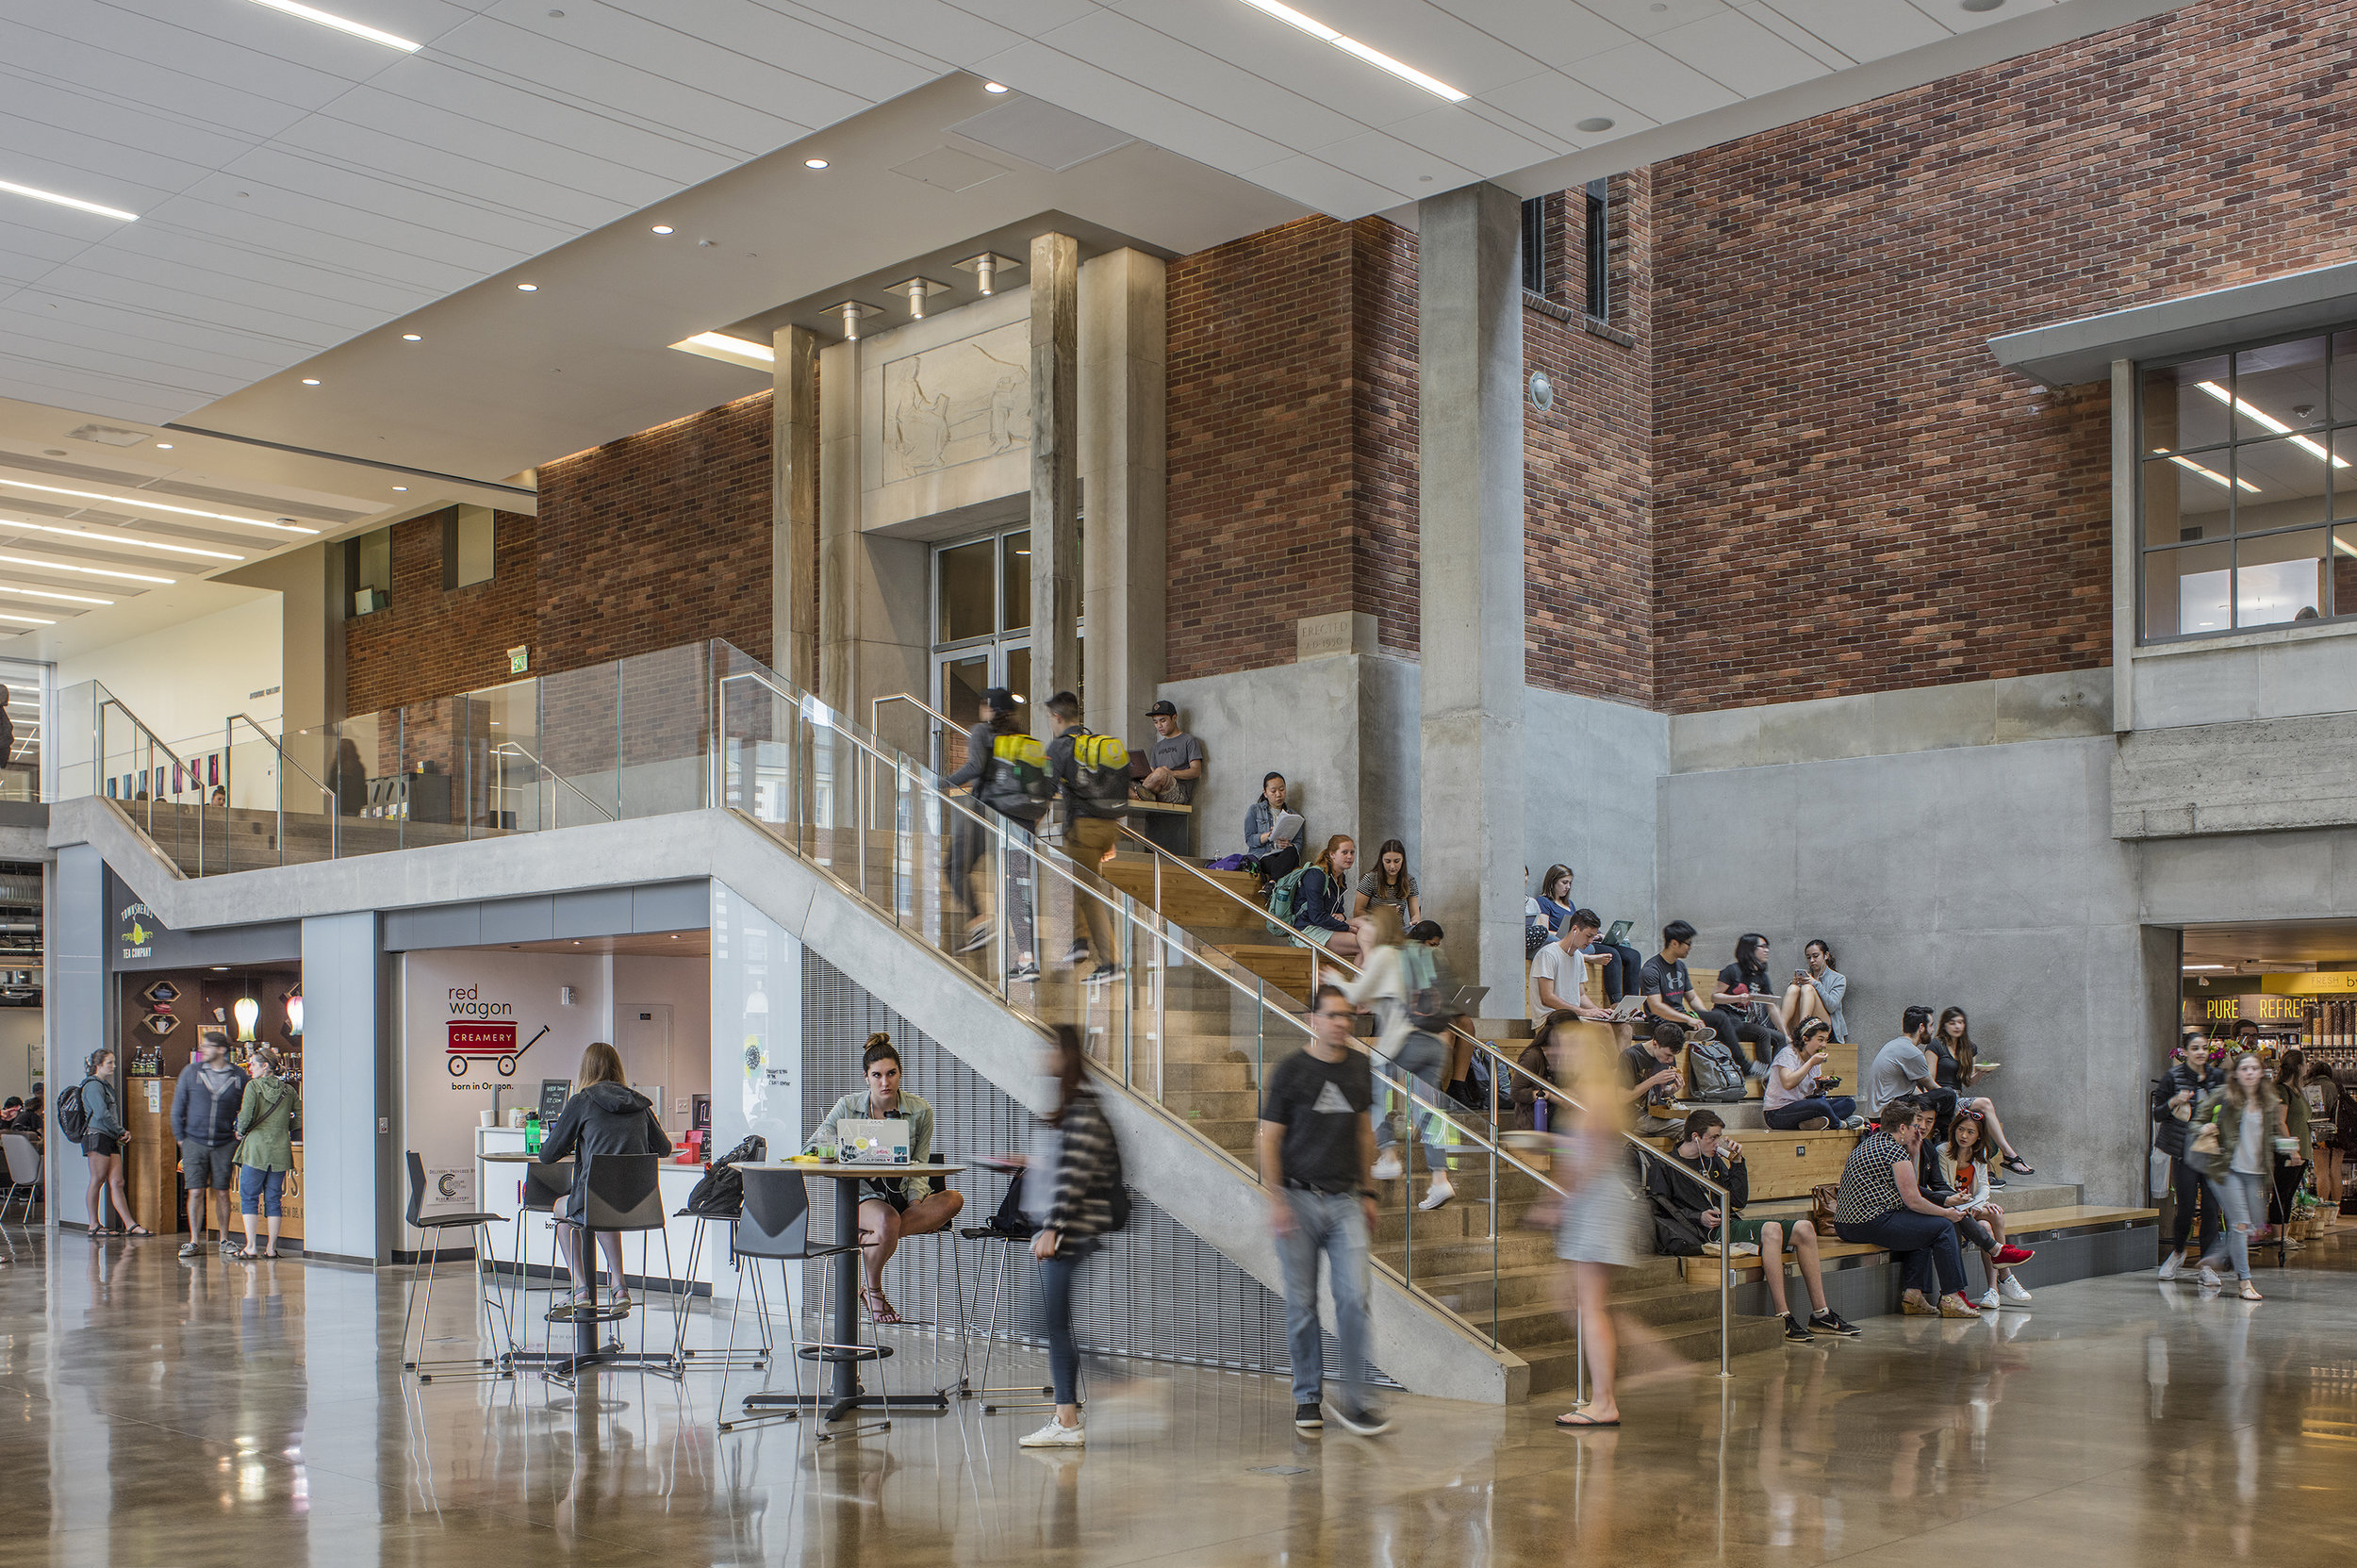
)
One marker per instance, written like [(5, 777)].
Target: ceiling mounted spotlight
[(663, 228), (412, 337), (851, 312), (986, 268), (917, 290), (814, 163), (310, 381), (163, 446), (527, 288), (994, 87)]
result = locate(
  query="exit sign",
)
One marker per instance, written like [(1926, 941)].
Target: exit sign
[(518, 660)]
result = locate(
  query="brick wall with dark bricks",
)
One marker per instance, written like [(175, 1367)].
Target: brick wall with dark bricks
[(430, 642), (1850, 496)]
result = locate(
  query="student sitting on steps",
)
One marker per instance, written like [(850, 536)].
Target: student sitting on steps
[(1704, 1149)]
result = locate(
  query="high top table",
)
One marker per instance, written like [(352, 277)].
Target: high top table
[(587, 1349), (844, 1351)]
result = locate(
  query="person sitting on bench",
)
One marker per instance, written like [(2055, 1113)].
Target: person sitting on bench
[(890, 1207), (1702, 1148), (1794, 1100), (1174, 760)]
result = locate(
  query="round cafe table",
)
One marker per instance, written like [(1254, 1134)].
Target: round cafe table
[(844, 1351), (589, 1351)]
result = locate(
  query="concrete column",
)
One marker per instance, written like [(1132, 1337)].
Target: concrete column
[(349, 1206), (1470, 491), (839, 521), (2125, 535), (794, 509), (1121, 305), (1055, 467)]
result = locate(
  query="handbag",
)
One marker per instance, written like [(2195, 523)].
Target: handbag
[(2206, 1154), (2157, 1177), (1825, 1202)]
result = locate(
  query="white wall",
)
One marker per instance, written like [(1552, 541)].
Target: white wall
[(183, 681), (684, 985)]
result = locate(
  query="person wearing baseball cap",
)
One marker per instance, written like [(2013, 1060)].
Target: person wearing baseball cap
[(1174, 761)]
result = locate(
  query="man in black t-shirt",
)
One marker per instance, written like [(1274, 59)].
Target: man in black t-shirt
[(1668, 991), (1650, 1071), (1316, 1144)]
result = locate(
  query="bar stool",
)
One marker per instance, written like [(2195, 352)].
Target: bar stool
[(620, 1193), (485, 1368), (545, 1187), (775, 1224), (755, 1358), (1010, 1243), (931, 1325)]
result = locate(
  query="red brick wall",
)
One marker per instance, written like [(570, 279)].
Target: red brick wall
[(428, 642), (1850, 496), (1384, 411)]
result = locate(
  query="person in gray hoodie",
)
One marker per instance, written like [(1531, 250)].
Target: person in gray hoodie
[(102, 1144), (604, 1116), (205, 1105)]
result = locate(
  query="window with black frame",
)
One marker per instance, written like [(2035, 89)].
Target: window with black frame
[(1598, 214), (2246, 492)]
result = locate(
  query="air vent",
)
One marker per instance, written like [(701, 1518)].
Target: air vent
[(1041, 132), (107, 434), (18, 891)]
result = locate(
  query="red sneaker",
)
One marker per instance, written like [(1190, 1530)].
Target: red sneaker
[(2008, 1255)]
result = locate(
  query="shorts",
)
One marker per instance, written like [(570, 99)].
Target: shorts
[(104, 1145), (260, 1190), (884, 1192), (1743, 1230), (1317, 936), (205, 1166)]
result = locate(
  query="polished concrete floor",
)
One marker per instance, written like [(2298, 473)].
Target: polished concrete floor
[(155, 1412)]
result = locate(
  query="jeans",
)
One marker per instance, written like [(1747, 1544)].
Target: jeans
[(2243, 1196), (1733, 1027), (2193, 1194), (1055, 1298), (1919, 1244), (1621, 967), (1422, 1059), (1835, 1109), (1334, 1224), (258, 1190)]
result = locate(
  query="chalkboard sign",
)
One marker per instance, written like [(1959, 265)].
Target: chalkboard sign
[(553, 1094)]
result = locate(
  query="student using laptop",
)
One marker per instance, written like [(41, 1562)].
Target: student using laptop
[(1558, 976), (890, 1207)]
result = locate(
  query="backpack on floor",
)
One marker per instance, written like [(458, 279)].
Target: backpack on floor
[(73, 1116), (1718, 1079)]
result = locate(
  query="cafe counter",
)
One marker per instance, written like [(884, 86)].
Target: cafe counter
[(501, 1186)]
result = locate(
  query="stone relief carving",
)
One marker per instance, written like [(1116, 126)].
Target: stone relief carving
[(959, 403)]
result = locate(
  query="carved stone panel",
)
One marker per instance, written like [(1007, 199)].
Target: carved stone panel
[(956, 404)]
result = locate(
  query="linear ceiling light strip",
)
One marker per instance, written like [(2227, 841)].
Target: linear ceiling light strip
[(2266, 421), (74, 202), (86, 571), (142, 504), (122, 541), (342, 25), (1376, 58)]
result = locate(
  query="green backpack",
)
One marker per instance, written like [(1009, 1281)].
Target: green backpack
[(1282, 897)]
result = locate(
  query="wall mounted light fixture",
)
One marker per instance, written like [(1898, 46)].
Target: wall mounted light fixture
[(294, 1012), (986, 269)]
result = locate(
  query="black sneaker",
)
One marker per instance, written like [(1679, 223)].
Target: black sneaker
[(1023, 972), (1834, 1323), (1996, 1181), (1308, 1418), (1079, 953), (1102, 973), (1364, 1419), (1796, 1332)]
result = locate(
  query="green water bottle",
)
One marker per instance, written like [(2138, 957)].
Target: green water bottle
[(532, 1132)]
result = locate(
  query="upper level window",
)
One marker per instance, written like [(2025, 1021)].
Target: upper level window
[(1535, 244), (1599, 251), (2246, 492)]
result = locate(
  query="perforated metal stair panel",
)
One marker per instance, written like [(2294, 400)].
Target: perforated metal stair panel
[(1157, 1292)]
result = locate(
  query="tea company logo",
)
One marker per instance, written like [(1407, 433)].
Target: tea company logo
[(138, 936)]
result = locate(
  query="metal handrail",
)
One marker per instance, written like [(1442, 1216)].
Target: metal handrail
[(511, 743), (228, 729)]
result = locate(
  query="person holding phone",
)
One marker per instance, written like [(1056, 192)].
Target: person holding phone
[(1793, 1099)]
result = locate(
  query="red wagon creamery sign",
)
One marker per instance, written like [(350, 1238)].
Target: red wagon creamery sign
[(494, 1042)]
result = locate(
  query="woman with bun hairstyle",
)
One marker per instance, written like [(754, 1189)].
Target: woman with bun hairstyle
[(890, 1207)]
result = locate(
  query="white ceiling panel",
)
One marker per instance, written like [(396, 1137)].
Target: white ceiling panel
[(357, 218), (1865, 29), (1968, 22), (1380, 159), (1131, 49), (1738, 53), (1799, 37), (614, 150), (165, 253), (588, 77), (123, 354), (138, 284), (357, 147), (1656, 85), (1083, 88), (1316, 183), (287, 181), (464, 99), (401, 263), (1646, 18), (70, 386), (1556, 105), (942, 31), (81, 129), (1427, 37), (121, 334), (1278, 51), (1557, 35), (193, 337), (179, 68), (866, 70), (1472, 140)]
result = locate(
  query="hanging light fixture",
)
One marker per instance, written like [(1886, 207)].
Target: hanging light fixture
[(246, 1010), (294, 1012), (851, 313), (986, 269)]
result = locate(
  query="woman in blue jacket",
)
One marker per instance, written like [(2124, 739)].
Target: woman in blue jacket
[(1322, 899)]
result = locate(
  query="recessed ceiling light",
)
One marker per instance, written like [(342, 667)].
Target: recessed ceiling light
[(310, 381), (11, 525), (1592, 125), (400, 487), (342, 25), (1376, 58), (163, 446), (1981, 5), (29, 620), (142, 504), (528, 287), (663, 228), (412, 337), (988, 87), (74, 202), (814, 163)]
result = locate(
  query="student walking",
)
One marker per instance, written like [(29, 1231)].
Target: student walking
[(1391, 976), (1007, 770), (2237, 1122), (1597, 1226), (205, 1104), (1080, 1179), (2191, 1077), (1316, 1145), (1096, 797)]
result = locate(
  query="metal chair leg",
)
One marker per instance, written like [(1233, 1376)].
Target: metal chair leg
[(761, 1306)]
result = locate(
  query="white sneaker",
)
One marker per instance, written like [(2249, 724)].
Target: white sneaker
[(2168, 1269), (2209, 1277), (1055, 1435), (1439, 1193), (1387, 1166), (1987, 1302), (2014, 1289)]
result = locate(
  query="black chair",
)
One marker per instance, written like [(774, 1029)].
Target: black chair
[(430, 1259), (775, 1224), (24, 1171), (622, 1194), (755, 1358), (545, 1187)]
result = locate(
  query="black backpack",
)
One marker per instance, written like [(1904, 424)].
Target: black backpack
[(73, 1116), (721, 1192), (1117, 1194), (1675, 1234)]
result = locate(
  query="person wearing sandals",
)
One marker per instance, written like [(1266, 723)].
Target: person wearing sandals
[(2246, 1113), (604, 1116), (890, 1207), (269, 1121), (103, 1142), (1957, 1067)]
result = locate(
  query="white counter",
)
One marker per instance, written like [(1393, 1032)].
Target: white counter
[(500, 1188)]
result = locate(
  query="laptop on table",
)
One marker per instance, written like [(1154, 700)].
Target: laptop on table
[(862, 1142)]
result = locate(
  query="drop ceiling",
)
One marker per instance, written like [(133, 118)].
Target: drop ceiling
[(299, 190)]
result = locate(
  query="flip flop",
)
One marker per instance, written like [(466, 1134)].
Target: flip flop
[(136, 1231), (1576, 1420)]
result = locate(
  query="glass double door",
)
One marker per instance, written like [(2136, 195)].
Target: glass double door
[(981, 621)]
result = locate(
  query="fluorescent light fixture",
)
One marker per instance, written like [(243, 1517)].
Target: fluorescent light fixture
[(342, 25), (1376, 58), (2208, 965), (138, 503), (127, 541), (28, 620), (2342, 544), (48, 593), (74, 202), (86, 571), (2269, 421), (730, 351), (2211, 474)]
